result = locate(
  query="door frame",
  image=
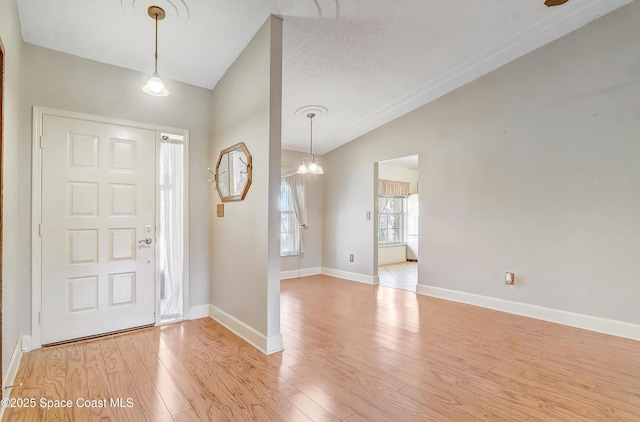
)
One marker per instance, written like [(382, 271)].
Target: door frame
[(1, 188), (36, 214)]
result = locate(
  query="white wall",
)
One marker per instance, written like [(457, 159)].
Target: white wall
[(311, 260), (61, 81), (532, 168), (392, 254), (245, 251), (13, 267)]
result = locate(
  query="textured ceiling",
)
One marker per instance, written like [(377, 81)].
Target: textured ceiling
[(366, 63)]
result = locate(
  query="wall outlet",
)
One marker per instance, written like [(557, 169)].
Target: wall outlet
[(351, 258), (509, 278)]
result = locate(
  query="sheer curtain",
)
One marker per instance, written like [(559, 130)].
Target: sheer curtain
[(171, 227), (299, 201)]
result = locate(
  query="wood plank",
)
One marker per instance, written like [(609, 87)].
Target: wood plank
[(54, 385), (328, 402), (356, 418), (99, 391), (132, 360), (187, 416), (151, 403), (161, 378), (200, 398), (313, 410), (76, 383), (121, 382), (32, 386)]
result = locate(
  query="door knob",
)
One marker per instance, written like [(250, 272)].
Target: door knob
[(146, 241)]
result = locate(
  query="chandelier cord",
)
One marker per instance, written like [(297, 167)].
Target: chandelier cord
[(311, 136)]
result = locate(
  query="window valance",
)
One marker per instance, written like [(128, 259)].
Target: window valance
[(392, 188)]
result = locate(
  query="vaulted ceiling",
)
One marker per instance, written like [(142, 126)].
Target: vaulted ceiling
[(359, 64)]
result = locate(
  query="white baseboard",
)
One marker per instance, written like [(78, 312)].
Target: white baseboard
[(259, 341), (587, 322), (411, 287), (275, 344), (10, 376), (198, 311), (26, 342), (302, 272), (360, 278)]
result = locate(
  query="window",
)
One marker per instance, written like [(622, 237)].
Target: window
[(171, 227), (289, 225), (391, 220)]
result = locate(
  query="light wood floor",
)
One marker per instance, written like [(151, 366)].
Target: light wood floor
[(353, 352)]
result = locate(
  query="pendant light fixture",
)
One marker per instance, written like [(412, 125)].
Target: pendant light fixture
[(155, 86), (310, 165)]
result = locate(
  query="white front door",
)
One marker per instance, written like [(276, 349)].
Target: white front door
[(98, 228)]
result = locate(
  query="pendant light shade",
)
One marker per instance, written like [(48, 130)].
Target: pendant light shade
[(302, 168), (155, 86), (310, 165)]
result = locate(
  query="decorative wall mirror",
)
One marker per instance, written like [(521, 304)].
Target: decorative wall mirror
[(233, 173)]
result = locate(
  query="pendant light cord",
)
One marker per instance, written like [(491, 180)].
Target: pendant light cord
[(311, 116), (155, 15)]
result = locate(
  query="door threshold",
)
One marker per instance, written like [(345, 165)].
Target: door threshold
[(171, 320), (111, 333)]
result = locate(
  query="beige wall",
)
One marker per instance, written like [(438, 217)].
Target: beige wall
[(245, 246), (532, 168), (311, 260), (66, 82), (14, 270)]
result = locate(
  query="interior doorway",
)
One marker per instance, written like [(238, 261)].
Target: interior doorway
[(397, 223)]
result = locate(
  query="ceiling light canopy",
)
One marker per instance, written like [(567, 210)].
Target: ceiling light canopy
[(551, 3), (155, 86), (310, 165)]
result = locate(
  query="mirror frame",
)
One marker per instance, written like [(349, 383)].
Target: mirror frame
[(241, 147)]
